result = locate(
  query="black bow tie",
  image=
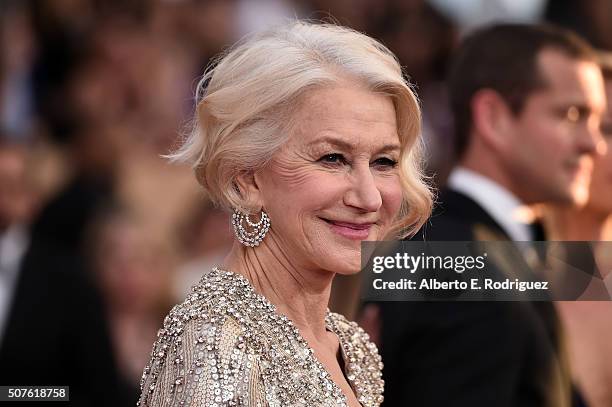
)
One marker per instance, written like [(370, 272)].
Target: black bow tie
[(537, 231)]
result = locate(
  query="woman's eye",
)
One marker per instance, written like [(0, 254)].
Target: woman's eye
[(385, 162), (573, 114), (334, 158)]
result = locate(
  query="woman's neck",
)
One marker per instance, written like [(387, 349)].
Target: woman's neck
[(300, 294), (586, 225)]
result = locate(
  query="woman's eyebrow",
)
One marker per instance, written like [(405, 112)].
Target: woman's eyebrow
[(332, 141), (390, 147), (344, 145)]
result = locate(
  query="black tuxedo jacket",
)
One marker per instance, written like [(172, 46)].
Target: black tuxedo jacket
[(56, 333), (471, 354)]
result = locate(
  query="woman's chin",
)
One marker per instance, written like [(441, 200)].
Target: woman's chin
[(347, 268)]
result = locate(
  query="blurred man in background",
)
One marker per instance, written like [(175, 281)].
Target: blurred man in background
[(527, 103), (587, 323)]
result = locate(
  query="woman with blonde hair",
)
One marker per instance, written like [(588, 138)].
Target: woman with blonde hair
[(310, 135)]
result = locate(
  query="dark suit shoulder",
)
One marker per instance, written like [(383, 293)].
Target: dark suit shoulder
[(457, 217)]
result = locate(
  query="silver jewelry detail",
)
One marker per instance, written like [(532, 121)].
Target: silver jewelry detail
[(257, 231)]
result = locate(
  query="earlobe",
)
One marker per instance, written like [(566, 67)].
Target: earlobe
[(491, 118)]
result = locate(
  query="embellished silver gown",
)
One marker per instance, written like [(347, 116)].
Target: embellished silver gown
[(226, 345)]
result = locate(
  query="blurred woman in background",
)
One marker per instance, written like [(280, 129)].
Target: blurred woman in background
[(134, 275)]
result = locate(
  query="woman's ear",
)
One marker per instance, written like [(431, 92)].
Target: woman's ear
[(249, 190)]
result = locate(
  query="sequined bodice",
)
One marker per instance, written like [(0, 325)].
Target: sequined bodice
[(226, 345)]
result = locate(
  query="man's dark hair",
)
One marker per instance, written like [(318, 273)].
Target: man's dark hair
[(504, 58), (605, 62)]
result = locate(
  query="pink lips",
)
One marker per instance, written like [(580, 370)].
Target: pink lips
[(355, 231)]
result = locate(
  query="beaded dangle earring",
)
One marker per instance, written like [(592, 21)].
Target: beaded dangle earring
[(256, 230)]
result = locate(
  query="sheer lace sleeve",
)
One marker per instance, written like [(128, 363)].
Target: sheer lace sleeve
[(199, 360)]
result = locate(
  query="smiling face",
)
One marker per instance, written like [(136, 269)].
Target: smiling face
[(557, 134), (336, 181)]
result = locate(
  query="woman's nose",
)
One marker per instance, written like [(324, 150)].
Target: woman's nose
[(363, 192)]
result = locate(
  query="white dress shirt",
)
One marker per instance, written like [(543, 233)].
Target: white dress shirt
[(506, 209), (13, 245)]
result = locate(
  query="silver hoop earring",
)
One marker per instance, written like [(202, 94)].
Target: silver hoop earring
[(257, 230)]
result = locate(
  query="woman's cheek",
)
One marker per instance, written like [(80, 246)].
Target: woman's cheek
[(391, 193)]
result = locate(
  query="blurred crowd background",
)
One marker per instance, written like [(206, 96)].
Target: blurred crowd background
[(93, 92)]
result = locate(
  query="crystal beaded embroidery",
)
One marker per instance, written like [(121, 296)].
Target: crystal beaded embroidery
[(226, 345)]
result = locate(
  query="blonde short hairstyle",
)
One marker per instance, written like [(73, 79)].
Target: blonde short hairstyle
[(245, 102)]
